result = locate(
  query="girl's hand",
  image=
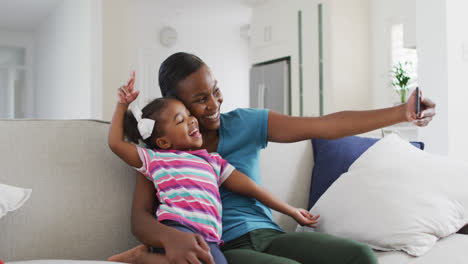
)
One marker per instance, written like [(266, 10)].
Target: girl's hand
[(187, 248), (304, 218), (427, 110), (127, 93)]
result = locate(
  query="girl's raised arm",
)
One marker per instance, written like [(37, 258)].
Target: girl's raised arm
[(126, 151)]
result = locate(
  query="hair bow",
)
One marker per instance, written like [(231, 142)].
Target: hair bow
[(145, 125)]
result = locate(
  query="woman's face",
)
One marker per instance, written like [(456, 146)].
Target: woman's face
[(201, 94)]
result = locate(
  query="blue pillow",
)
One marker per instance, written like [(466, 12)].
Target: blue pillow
[(333, 158)]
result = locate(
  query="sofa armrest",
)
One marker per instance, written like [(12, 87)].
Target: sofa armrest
[(463, 230)]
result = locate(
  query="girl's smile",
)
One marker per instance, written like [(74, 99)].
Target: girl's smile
[(180, 128)]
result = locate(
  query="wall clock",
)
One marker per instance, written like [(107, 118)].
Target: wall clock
[(168, 37)]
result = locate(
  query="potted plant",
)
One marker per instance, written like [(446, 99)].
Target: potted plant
[(400, 80)]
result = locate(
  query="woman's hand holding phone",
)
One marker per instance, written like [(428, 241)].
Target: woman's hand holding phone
[(419, 110)]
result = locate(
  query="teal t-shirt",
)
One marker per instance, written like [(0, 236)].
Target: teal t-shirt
[(242, 134)]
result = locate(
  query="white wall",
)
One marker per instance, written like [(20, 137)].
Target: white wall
[(114, 71), (131, 42), (443, 65), (356, 72), (96, 83), (457, 66), (346, 47), (68, 62), (213, 34), (431, 27), (349, 54)]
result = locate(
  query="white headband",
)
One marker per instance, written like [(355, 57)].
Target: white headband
[(145, 125)]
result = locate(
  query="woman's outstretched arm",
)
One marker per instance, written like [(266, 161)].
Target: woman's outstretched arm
[(346, 123), (180, 247)]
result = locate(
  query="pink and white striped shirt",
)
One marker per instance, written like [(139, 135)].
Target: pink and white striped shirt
[(187, 185)]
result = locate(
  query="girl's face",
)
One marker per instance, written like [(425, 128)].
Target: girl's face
[(201, 94), (180, 128)]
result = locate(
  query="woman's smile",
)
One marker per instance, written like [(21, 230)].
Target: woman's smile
[(212, 117)]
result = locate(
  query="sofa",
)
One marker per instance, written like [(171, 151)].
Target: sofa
[(79, 209), (81, 192)]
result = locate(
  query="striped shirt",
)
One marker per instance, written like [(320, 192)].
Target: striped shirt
[(187, 185)]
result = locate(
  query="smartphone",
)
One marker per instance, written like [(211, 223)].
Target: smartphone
[(418, 103)]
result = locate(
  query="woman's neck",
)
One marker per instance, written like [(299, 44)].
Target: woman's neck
[(210, 140)]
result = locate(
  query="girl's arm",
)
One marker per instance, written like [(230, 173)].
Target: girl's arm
[(240, 183), (126, 151), (180, 247), (346, 123)]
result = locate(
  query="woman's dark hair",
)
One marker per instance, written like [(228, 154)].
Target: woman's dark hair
[(153, 111), (176, 68)]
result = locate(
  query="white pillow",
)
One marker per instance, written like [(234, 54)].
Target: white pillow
[(12, 198), (396, 197)]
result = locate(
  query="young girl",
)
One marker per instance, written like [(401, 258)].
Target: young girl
[(186, 177)]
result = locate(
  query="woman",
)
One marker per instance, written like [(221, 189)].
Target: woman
[(249, 233)]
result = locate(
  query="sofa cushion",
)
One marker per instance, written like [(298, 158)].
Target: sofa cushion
[(333, 158), (396, 197), (285, 170)]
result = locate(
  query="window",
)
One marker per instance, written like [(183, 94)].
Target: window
[(400, 54)]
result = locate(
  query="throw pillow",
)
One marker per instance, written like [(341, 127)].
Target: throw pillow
[(333, 158), (396, 197), (12, 198)]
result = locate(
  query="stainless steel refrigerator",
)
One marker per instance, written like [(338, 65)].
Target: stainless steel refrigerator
[(270, 86)]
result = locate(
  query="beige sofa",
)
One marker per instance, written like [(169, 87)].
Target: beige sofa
[(81, 199), (81, 192), (80, 204)]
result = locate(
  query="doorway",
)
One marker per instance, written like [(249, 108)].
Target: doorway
[(12, 82)]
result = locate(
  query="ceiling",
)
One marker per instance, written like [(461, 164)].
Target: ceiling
[(184, 4), (24, 15)]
